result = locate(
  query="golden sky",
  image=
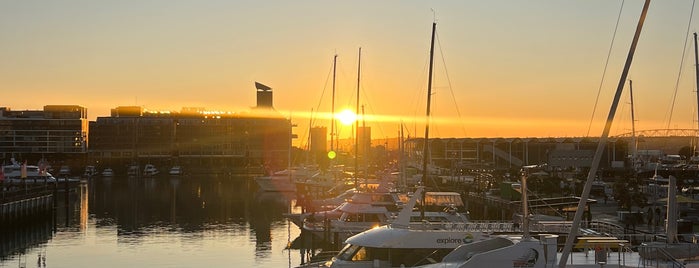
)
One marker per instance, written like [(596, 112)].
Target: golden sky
[(502, 68)]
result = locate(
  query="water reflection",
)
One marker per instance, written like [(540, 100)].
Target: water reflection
[(18, 239), (163, 222)]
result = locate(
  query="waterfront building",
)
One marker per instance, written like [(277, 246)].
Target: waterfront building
[(513, 153), (58, 134), (202, 141)]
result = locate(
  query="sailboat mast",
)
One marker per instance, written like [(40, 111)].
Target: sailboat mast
[(366, 138), (633, 127), (356, 124), (602, 142), (426, 147), (696, 65), (332, 109), (308, 141), (401, 158)]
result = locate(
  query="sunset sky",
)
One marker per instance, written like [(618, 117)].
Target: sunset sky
[(502, 68)]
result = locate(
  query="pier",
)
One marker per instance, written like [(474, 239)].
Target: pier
[(20, 202)]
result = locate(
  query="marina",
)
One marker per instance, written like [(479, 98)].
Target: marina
[(137, 186)]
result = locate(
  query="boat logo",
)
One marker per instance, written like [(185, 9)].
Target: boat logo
[(468, 238)]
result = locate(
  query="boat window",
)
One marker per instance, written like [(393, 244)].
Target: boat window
[(361, 255), (415, 257), (347, 252), (370, 254)]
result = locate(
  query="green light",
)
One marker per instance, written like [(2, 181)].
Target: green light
[(332, 154)]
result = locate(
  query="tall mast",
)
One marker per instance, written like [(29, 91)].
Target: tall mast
[(401, 158), (696, 65), (633, 127), (426, 151), (356, 124), (308, 141), (332, 117), (602, 142), (365, 150)]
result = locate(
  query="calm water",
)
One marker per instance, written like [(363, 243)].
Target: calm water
[(160, 222)]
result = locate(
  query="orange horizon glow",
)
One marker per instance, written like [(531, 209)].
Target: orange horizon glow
[(502, 69)]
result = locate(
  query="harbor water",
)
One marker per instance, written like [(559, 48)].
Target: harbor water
[(187, 221)]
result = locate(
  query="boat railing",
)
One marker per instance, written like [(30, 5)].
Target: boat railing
[(664, 257)]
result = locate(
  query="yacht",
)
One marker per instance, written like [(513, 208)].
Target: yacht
[(150, 170), (176, 170), (22, 173), (132, 170), (284, 180), (107, 172), (366, 210), (402, 243), (90, 171)]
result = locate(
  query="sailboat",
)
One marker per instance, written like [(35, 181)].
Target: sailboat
[(406, 243)]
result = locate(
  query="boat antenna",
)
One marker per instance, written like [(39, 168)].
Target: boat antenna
[(426, 146), (602, 142)]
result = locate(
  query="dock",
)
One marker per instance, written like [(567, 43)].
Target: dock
[(21, 202)]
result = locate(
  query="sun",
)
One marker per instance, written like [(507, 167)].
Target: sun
[(346, 117)]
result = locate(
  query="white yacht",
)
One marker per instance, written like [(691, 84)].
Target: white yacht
[(107, 172), (366, 210), (150, 170), (176, 170), (22, 173), (402, 244)]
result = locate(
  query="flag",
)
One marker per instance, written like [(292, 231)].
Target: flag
[(42, 168), (23, 170)]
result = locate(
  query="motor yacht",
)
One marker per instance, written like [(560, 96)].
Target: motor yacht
[(150, 170), (90, 171), (107, 172), (23, 173), (403, 243), (176, 170)]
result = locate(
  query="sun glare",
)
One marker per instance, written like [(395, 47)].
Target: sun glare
[(346, 117)]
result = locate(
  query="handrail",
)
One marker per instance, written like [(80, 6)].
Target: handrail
[(670, 258)]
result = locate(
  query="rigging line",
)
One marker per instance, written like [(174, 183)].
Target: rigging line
[(418, 97), (604, 72), (325, 86), (371, 109), (679, 74), (451, 89)]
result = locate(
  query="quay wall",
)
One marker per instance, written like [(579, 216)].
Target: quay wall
[(20, 210)]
